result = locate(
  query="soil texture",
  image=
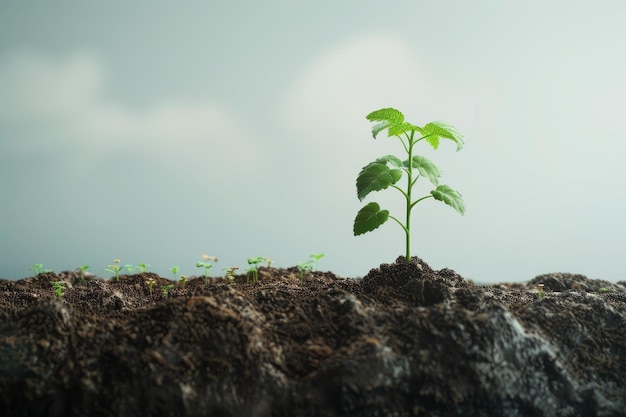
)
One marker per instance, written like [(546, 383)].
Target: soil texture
[(404, 340)]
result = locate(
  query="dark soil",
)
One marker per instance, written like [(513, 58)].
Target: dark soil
[(403, 341)]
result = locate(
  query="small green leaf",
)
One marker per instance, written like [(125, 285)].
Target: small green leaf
[(450, 197), (376, 176), (426, 168), (434, 131), (399, 129), (369, 218), (386, 117), (390, 115)]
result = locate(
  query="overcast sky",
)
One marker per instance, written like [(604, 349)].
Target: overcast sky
[(155, 132)]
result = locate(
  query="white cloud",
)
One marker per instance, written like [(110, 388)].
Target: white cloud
[(62, 104)]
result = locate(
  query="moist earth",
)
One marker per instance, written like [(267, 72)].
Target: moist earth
[(404, 340)]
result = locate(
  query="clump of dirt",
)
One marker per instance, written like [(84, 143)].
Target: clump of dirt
[(404, 341)]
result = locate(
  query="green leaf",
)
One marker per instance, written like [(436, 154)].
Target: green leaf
[(450, 197), (399, 129), (426, 168), (376, 176), (369, 218), (434, 131), (390, 159), (390, 115), (387, 118)]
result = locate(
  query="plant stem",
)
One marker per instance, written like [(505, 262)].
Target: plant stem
[(409, 206)]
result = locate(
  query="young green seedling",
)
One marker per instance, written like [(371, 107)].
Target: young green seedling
[(174, 270), (183, 280), (305, 267), (142, 267), (58, 288), (386, 171), (165, 290), (316, 258), (116, 268), (206, 265), (230, 273), (38, 269), (81, 272), (268, 261), (253, 269), (150, 283)]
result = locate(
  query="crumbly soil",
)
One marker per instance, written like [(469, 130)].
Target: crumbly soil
[(403, 341)]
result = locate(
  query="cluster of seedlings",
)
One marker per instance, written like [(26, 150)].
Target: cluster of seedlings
[(252, 273)]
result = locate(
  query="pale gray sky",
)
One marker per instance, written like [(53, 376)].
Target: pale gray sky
[(156, 132)]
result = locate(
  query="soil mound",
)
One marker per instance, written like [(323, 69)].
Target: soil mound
[(403, 341)]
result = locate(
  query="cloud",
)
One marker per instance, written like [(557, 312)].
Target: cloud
[(61, 104)]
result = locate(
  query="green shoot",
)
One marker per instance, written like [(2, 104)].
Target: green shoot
[(206, 265), (165, 290), (174, 270), (253, 269), (268, 261), (305, 267), (540, 291), (230, 273), (38, 269), (142, 267), (386, 171), (183, 280), (150, 283), (81, 271), (58, 288), (316, 257), (116, 268)]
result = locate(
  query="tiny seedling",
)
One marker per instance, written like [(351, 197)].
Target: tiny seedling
[(58, 288), (268, 261), (316, 258), (183, 280), (165, 290), (253, 270), (39, 269), (150, 283), (81, 271), (305, 267), (174, 270), (230, 273), (540, 291), (206, 265), (142, 267), (386, 171), (116, 268)]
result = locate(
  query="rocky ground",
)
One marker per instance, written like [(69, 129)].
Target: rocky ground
[(403, 341)]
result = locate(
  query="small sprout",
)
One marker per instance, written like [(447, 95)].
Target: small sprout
[(253, 269), (206, 265), (174, 270), (316, 257), (540, 291), (38, 269), (230, 273), (142, 267), (81, 271), (150, 283), (183, 280), (58, 288), (166, 289), (268, 261), (605, 289), (305, 267), (116, 268)]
